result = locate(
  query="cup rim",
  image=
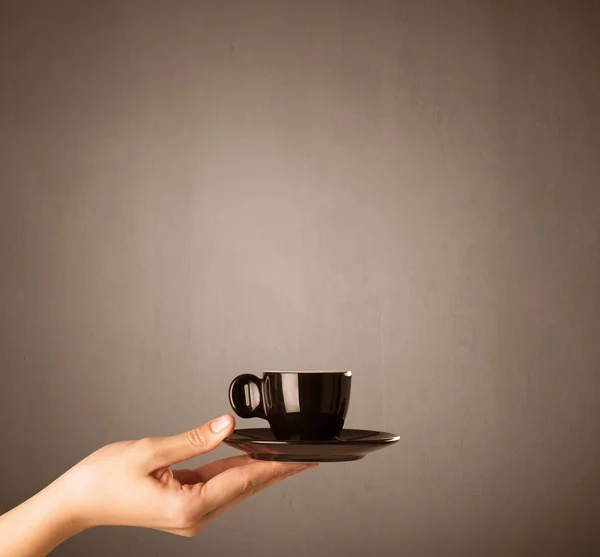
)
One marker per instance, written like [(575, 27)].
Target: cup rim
[(346, 372)]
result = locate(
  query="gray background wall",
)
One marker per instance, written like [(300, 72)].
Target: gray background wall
[(411, 190)]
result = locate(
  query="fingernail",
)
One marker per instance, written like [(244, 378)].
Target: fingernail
[(220, 424)]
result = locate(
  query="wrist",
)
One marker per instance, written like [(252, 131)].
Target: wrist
[(67, 516), (38, 525)]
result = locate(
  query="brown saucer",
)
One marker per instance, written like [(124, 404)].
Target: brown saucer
[(351, 444)]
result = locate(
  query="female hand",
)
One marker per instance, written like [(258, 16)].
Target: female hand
[(131, 483)]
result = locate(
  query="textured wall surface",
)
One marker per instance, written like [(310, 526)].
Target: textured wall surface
[(410, 190)]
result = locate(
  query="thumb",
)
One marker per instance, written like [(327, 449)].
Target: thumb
[(165, 451)]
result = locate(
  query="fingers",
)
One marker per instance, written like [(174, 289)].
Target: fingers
[(164, 451), (198, 505), (212, 469), (232, 483), (246, 494)]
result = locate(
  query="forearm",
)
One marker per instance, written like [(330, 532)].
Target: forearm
[(37, 526)]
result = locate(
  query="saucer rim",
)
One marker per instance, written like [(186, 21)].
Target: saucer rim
[(389, 438)]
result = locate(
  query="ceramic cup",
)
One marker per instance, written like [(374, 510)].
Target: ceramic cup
[(299, 405)]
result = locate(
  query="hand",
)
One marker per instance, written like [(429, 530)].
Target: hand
[(131, 483)]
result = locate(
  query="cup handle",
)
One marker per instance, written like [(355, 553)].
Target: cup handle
[(245, 396)]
